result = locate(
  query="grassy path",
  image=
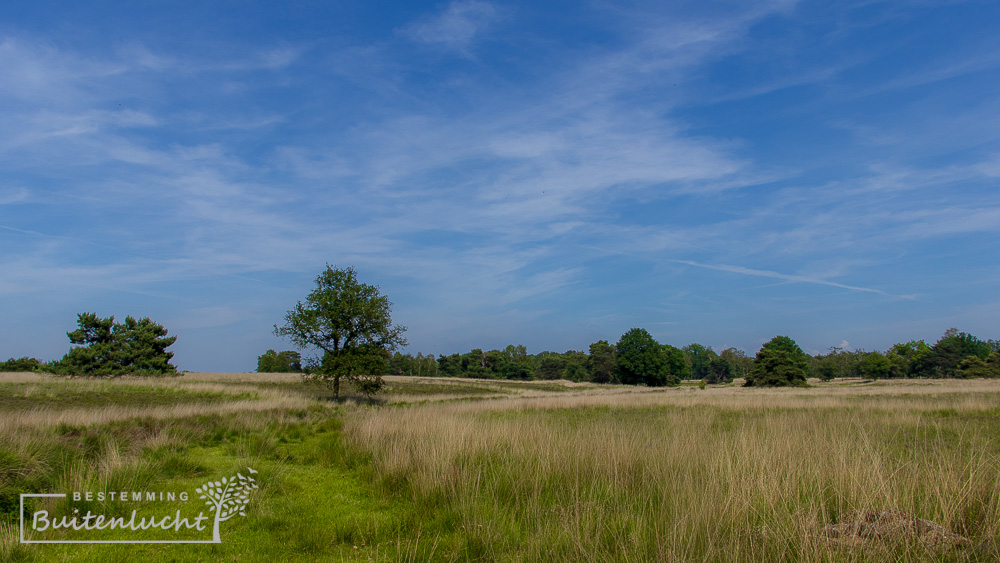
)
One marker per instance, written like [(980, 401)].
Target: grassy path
[(315, 503)]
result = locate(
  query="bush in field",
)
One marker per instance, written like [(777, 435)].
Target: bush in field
[(21, 364), (279, 362), (109, 348), (779, 362), (369, 385)]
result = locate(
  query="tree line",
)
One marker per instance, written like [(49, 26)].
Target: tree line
[(637, 358), (956, 354)]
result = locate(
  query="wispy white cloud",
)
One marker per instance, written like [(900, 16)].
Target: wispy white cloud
[(138, 56), (928, 223), (937, 71), (36, 73), (457, 26), (12, 195)]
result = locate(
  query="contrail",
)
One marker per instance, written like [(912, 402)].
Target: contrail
[(787, 277)]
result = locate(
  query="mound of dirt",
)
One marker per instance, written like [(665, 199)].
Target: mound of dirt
[(862, 528)]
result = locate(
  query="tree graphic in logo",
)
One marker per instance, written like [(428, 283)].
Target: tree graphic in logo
[(229, 497)]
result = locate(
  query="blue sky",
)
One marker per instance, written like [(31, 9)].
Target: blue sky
[(538, 173)]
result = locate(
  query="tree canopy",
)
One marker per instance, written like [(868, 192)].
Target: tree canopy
[(643, 360), (946, 356), (288, 361), (109, 348), (350, 323), (601, 362), (21, 364), (698, 358), (874, 365), (779, 362), (719, 371)]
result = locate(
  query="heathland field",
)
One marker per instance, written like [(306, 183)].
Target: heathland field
[(458, 469)]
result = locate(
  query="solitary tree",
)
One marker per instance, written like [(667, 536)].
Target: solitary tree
[(779, 362), (351, 323)]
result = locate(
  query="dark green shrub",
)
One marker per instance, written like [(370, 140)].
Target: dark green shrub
[(21, 364), (779, 362), (279, 362), (109, 348)]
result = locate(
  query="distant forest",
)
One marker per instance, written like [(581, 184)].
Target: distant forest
[(955, 355)]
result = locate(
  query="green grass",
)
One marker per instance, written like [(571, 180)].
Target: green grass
[(89, 394), (445, 387), (317, 500), (548, 386), (312, 391)]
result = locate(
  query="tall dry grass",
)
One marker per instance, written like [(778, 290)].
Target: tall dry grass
[(236, 398), (726, 475)]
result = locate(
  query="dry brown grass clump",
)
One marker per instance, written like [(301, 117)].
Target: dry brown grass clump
[(891, 526)]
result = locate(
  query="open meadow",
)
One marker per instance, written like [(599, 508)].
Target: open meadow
[(461, 469)]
